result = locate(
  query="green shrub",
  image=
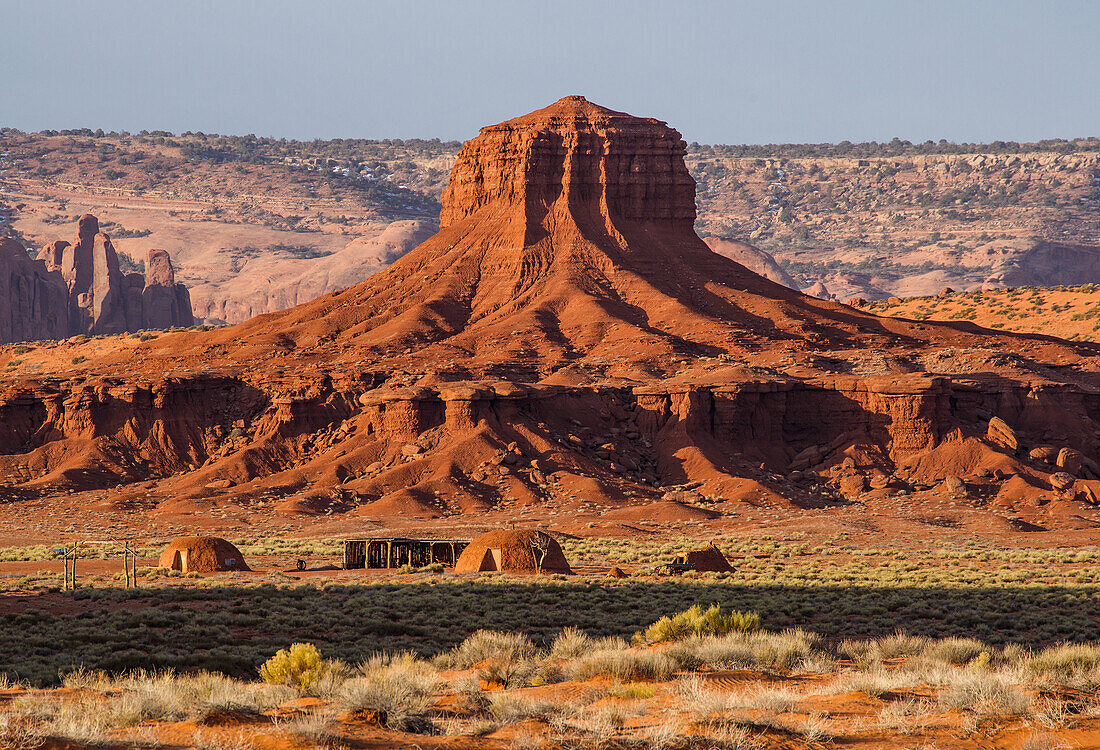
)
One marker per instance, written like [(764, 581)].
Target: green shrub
[(300, 667), (699, 622)]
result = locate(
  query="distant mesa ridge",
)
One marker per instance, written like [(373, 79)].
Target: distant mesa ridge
[(78, 288)]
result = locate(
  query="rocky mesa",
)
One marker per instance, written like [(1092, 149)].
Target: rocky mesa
[(565, 339)]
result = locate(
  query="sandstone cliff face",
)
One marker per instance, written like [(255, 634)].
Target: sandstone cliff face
[(33, 300), (164, 303), (564, 334), (78, 288), (591, 158)]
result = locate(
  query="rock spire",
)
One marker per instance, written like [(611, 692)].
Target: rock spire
[(78, 287)]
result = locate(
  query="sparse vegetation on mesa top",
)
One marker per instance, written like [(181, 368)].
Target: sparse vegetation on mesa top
[(896, 147)]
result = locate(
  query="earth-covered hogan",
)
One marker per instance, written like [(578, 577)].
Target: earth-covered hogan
[(707, 559), (513, 551), (202, 554)]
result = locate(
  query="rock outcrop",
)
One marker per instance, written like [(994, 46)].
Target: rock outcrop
[(164, 303), (78, 288), (270, 283), (33, 300), (752, 258)]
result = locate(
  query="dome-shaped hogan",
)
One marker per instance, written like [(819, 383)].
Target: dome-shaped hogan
[(202, 554), (705, 559), (513, 551)]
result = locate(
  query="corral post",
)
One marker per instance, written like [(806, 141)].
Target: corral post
[(346, 555), (126, 553)]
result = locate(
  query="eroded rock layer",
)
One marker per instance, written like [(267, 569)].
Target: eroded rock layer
[(566, 338)]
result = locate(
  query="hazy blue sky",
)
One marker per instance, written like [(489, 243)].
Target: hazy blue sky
[(720, 72)]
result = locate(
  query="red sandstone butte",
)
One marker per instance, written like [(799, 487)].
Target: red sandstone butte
[(565, 336)]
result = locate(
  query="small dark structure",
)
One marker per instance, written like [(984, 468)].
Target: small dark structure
[(397, 551)]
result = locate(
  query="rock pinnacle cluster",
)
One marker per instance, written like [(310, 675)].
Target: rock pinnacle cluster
[(77, 287)]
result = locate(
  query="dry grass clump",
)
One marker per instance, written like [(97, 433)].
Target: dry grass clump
[(866, 654), (875, 683), (506, 659), (486, 644), (316, 727), (508, 708), (1070, 664), (623, 665), (789, 650), (985, 694), (14, 736), (571, 643), (77, 720), (905, 717), (954, 651), (396, 689), (752, 710), (106, 703), (203, 697)]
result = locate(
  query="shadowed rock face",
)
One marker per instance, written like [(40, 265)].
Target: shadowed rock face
[(33, 300), (164, 302), (105, 306), (78, 288)]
